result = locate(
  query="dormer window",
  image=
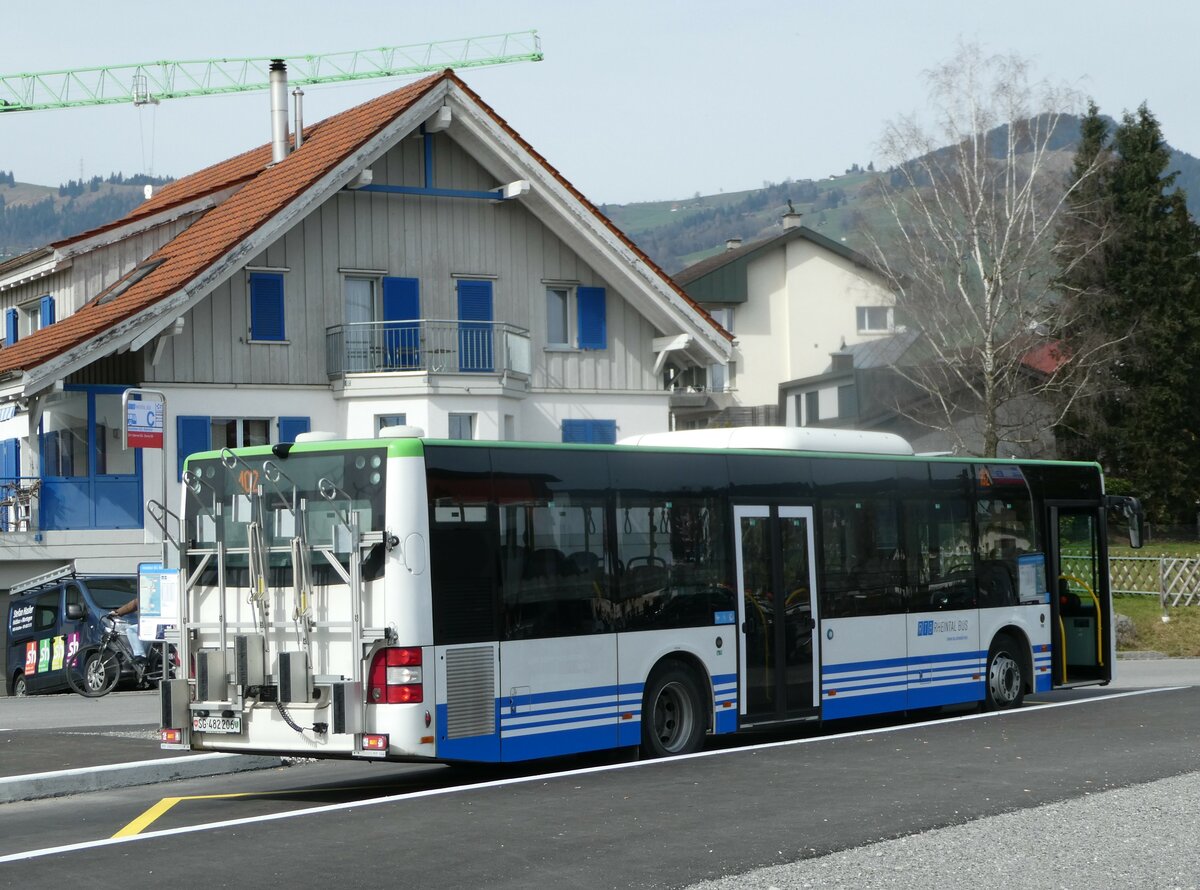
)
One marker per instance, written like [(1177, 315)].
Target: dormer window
[(875, 319)]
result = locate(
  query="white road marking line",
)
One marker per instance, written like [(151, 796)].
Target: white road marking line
[(500, 783)]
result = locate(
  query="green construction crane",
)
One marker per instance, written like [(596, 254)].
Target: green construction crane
[(150, 82)]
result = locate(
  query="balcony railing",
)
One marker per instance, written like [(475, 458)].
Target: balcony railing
[(427, 345)]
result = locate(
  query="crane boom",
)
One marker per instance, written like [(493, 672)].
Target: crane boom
[(149, 82)]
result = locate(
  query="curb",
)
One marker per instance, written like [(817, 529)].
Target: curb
[(124, 775)]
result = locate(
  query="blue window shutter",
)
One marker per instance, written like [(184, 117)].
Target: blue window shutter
[(10, 460), (47, 311), (590, 432), (266, 306), (475, 351), (401, 341), (11, 322), (290, 427), (193, 433), (593, 328)]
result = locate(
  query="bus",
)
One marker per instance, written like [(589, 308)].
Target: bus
[(416, 599)]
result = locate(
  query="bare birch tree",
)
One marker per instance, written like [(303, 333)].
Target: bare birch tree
[(975, 204)]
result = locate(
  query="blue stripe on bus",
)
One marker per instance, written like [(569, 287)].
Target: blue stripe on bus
[(573, 741), (929, 697), (859, 705)]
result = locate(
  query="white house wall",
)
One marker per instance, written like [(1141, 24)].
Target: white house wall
[(802, 306)]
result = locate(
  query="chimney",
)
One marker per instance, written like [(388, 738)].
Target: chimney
[(298, 116), (279, 111), (791, 219), (733, 243)]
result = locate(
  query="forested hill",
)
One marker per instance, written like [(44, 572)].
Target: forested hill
[(678, 233), (32, 216)]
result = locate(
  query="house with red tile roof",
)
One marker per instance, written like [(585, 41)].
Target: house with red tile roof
[(411, 260)]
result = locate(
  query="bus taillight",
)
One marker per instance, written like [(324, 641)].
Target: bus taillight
[(395, 677)]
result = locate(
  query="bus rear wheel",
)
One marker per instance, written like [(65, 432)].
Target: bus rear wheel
[(19, 688), (1005, 676), (672, 714)]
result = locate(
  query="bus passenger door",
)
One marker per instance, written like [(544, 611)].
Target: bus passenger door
[(777, 608), (1081, 631)]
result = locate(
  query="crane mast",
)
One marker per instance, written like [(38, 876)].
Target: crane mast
[(151, 82)]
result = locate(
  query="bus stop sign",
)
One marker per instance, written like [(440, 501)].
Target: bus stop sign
[(144, 422)]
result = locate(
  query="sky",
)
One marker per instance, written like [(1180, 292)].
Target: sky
[(635, 101)]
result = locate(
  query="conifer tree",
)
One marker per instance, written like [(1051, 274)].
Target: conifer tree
[(1142, 283)]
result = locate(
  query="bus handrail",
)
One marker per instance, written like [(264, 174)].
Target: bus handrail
[(1099, 622)]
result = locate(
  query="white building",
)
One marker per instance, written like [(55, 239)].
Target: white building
[(790, 301)]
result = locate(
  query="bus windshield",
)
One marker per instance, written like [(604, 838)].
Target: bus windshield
[(324, 489)]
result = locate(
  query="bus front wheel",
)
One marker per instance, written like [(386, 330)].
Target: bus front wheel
[(1005, 676), (672, 713)]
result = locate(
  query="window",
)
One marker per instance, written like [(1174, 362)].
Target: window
[(88, 479), (266, 306), (723, 317), (201, 433), (863, 571), (847, 398), (37, 315), (1006, 531), (874, 319), (812, 408), (716, 378), (237, 432), (383, 421), (557, 321), (462, 426)]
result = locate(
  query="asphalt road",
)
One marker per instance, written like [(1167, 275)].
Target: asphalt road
[(597, 823)]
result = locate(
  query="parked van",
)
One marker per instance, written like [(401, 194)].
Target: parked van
[(50, 621)]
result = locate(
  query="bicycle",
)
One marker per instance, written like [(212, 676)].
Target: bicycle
[(95, 670)]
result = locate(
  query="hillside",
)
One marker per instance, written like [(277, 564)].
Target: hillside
[(32, 216), (676, 234)]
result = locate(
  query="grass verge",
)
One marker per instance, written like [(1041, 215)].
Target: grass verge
[(1178, 638)]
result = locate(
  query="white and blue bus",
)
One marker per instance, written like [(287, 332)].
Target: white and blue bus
[(418, 599)]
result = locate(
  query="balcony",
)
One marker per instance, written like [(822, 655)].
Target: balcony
[(427, 346)]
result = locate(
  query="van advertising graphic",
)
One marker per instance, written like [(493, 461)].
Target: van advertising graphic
[(50, 654), (20, 619)]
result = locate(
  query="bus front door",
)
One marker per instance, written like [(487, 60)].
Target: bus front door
[(1081, 613), (777, 610)]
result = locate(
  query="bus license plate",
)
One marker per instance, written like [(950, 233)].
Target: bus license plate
[(217, 724)]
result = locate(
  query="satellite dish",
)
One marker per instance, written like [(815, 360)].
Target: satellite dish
[(147, 190)]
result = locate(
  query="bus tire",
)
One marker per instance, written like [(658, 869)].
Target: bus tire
[(1005, 680), (19, 688), (672, 713)]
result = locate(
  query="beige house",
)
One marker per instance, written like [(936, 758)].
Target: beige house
[(790, 301)]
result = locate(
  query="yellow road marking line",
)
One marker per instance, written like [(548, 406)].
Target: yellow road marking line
[(144, 821)]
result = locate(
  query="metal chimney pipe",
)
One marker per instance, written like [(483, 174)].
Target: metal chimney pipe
[(298, 116), (279, 111)]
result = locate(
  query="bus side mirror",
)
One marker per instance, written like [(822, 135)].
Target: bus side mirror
[(1131, 509)]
